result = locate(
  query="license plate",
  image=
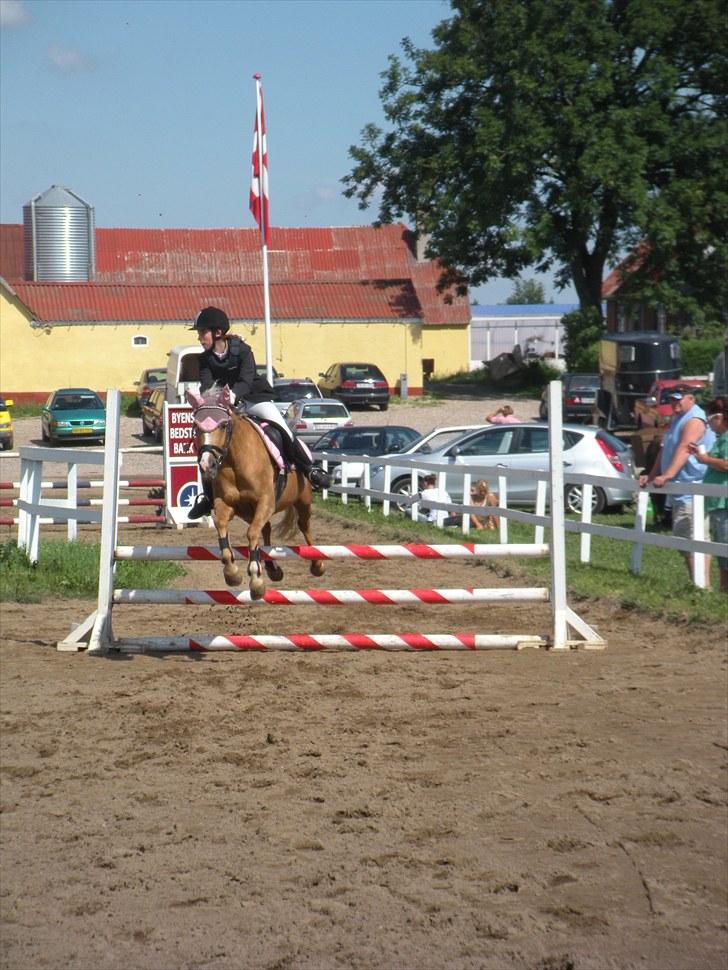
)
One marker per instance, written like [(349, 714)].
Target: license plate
[(323, 427), (82, 430), (364, 386)]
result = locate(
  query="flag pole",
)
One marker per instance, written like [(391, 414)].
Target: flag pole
[(263, 191)]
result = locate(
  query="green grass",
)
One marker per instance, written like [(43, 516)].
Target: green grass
[(662, 589), (71, 569)]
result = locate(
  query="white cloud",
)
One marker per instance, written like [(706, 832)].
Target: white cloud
[(13, 13), (68, 60)]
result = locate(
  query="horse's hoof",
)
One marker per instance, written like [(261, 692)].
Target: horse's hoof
[(233, 577), (257, 588), (317, 568)]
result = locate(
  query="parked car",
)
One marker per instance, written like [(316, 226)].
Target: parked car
[(6, 424), (150, 379), (655, 410), (261, 371), (356, 384), (289, 389), (579, 393), (309, 419), (587, 451), (370, 440), (73, 413), (153, 414)]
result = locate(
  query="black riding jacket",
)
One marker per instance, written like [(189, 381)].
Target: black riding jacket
[(237, 370)]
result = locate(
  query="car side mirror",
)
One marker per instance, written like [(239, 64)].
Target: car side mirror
[(455, 452)]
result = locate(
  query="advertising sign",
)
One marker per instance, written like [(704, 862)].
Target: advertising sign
[(181, 475)]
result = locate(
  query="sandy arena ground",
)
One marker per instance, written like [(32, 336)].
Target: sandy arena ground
[(332, 810)]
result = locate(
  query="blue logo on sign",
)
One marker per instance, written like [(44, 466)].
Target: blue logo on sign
[(186, 495)]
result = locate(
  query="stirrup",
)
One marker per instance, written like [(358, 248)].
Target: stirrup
[(319, 479), (202, 506)]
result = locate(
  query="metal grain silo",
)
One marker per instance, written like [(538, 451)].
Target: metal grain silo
[(59, 237)]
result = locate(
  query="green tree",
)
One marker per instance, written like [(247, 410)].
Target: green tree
[(527, 291), (558, 135)]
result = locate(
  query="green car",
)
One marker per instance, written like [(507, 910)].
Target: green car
[(73, 414)]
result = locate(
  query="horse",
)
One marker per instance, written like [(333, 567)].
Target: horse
[(233, 456)]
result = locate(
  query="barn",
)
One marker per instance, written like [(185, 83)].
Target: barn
[(92, 306)]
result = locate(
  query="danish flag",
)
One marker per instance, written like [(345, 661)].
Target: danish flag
[(259, 175)]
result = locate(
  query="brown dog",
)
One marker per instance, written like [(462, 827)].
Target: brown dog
[(480, 494)]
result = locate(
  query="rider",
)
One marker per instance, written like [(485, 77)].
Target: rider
[(227, 360)]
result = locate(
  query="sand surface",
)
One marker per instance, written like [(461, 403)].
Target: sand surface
[(369, 810)]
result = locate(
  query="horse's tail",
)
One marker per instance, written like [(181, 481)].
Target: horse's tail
[(285, 528)]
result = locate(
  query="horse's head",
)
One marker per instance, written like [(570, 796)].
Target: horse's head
[(213, 421)]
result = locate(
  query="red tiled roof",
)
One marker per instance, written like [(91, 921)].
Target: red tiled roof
[(123, 302), (378, 264)]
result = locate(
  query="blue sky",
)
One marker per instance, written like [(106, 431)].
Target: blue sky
[(145, 108)]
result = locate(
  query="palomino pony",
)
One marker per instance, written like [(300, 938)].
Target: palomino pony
[(233, 456)]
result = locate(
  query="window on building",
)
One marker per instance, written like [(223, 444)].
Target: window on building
[(138, 340)]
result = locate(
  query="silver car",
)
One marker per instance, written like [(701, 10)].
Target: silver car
[(587, 451), (289, 389), (309, 419)]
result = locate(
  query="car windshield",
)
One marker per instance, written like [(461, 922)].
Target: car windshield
[(582, 383), (156, 376), (292, 392), (361, 372), (78, 402), (324, 410)]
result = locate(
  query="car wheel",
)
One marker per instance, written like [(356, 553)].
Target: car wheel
[(543, 411), (384, 406), (158, 434), (573, 499), (43, 433), (403, 486)]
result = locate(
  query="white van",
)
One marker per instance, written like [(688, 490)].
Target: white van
[(183, 372)]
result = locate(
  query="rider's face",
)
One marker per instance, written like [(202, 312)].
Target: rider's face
[(206, 339)]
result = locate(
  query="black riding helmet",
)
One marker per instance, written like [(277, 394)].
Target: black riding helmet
[(211, 318)]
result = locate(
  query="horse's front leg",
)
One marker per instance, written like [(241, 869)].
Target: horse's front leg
[(263, 511), (222, 516)]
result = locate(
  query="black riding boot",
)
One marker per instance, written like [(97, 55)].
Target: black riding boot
[(203, 502), (317, 476)]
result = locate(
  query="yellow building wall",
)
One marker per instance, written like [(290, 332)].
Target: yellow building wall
[(100, 356)]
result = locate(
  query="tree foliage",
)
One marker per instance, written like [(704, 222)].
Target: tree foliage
[(527, 291), (559, 135)]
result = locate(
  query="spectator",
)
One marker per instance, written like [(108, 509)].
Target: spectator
[(716, 462), (675, 463), (480, 494), (431, 492), (503, 415)]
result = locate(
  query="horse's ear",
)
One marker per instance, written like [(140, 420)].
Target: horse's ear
[(193, 398)]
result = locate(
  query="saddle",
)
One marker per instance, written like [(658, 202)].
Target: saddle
[(279, 447)]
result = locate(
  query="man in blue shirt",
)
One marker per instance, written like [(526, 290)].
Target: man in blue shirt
[(674, 462)]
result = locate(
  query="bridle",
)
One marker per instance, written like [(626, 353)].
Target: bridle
[(217, 453)]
